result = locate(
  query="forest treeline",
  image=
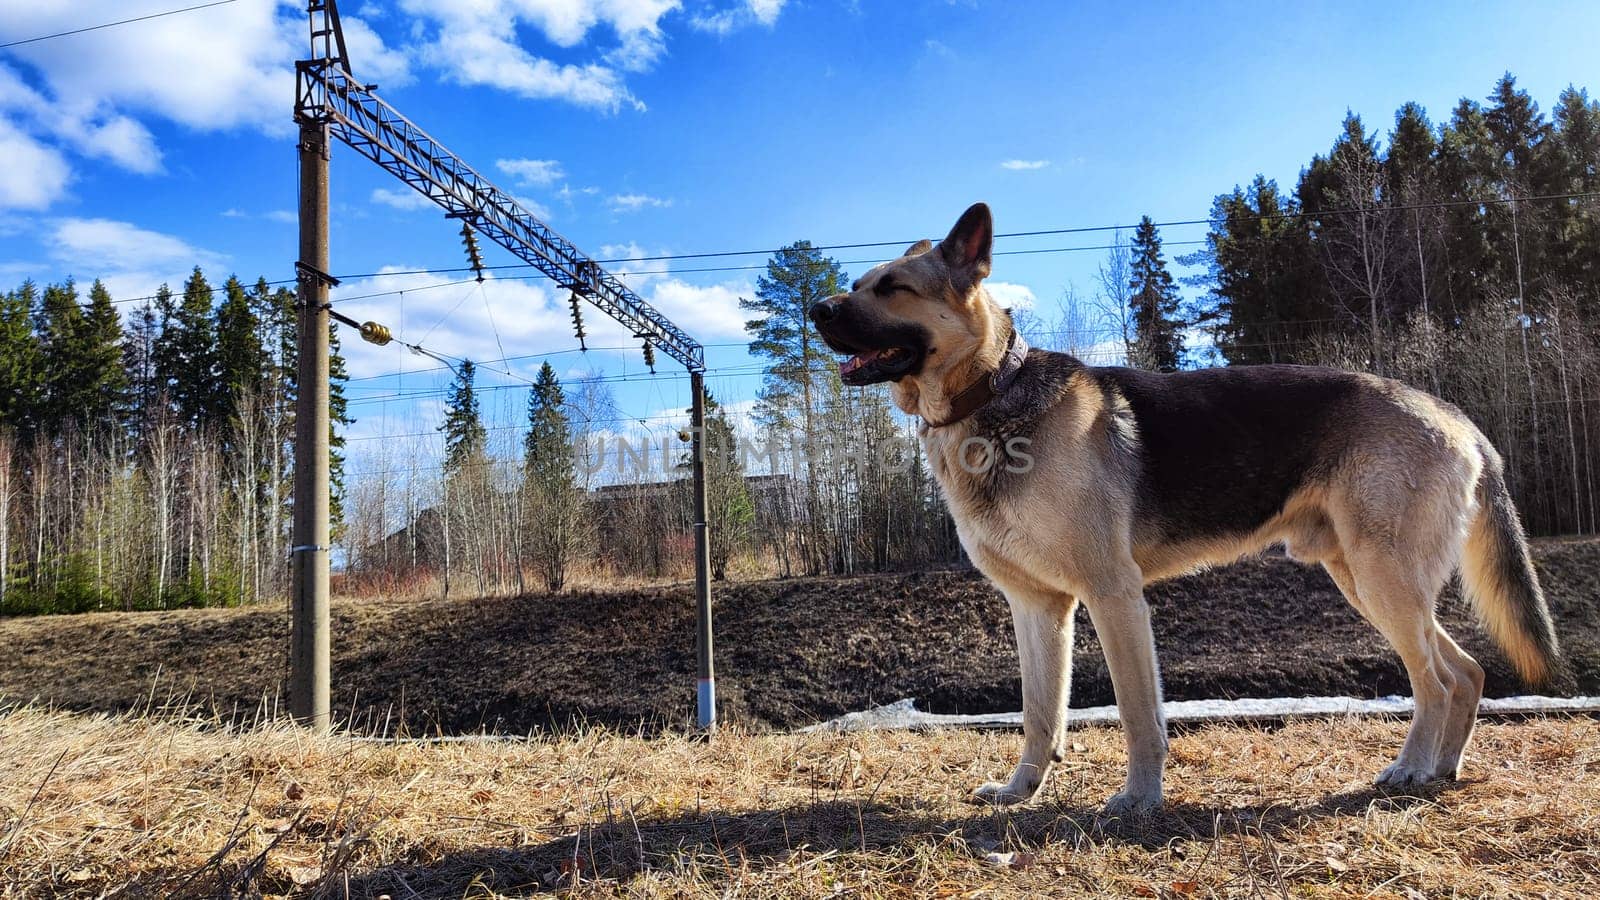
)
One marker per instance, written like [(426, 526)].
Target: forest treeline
[(144, 463)]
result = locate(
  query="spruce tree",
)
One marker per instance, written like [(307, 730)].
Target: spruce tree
[(59, 324), (145, 390), (339, 418), (106, 384), (241, 359), (1157, 330), (550, 485), (21, 363), (465, 438), (729, 509), (186, 354), (547, 447)]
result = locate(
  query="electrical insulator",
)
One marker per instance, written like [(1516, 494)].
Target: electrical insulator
[(650, 357), (470, 241), (577, 320), (374, 333)]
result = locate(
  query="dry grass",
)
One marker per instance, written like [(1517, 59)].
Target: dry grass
[(145, 807)]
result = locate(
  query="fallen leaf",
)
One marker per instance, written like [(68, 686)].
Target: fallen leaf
[(294, 791), (1145, 890), (482, 796), (304, 875), (1337, 864), (1185, 888)]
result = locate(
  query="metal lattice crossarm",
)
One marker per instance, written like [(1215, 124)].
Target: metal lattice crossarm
[(326, 92)]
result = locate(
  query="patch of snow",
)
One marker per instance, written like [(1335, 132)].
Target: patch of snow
[(903, 714)]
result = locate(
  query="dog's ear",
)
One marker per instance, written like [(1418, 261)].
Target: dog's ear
[(966, 249), (919, 248)]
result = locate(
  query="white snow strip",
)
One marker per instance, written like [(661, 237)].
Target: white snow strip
[(903, 714)]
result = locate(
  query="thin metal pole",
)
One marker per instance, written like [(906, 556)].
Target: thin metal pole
[(707, 684), (308, 642)]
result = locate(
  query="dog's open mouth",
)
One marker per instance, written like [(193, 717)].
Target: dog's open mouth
[(873, 366)]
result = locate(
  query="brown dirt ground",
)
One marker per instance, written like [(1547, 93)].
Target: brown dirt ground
[(790, 652)]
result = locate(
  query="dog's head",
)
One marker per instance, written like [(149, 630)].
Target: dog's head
[(920, 318)]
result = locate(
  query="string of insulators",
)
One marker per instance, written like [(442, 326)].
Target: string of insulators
[(650, 357), (470, 241), (577, 320)]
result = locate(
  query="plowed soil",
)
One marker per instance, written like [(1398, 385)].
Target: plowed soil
[(790, 652)]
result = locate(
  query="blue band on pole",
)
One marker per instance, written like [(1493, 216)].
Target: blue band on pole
[(707, 701)]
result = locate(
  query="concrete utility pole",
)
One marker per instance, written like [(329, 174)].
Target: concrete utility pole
[(706, 693), (309, 642), (331, 104)]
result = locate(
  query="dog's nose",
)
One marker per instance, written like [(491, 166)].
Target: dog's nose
[(823, 311)]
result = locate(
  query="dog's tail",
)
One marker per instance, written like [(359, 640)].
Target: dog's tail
[(1501, 583)]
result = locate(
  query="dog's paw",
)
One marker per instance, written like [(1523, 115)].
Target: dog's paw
[(1405, 775), (1002, 793), (1127, 804)]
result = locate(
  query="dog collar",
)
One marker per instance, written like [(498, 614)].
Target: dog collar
[(983, 390)]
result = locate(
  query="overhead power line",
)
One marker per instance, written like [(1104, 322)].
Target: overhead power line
[(1046, 232), (170, 12)]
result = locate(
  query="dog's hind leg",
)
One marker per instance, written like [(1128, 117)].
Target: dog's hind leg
[(1043, 623), (1464, 697), (1122, 622), (1400, 605)]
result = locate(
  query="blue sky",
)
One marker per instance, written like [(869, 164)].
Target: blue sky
[(646, 127)]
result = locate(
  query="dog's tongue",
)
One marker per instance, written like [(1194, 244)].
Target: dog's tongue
[(856, 362)]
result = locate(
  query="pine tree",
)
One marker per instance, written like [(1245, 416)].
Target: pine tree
[(465, 438), (797, 277), (1158, 334), (22, 379), (800, 375)]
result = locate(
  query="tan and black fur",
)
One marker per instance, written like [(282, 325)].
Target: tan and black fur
[(1126, 477)]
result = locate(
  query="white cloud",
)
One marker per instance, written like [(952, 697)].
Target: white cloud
[(532, 172), (106, 243), (131, 260), (710, 312), (405, 199), (732, 18), (1024, 165), (282, 216), (221, 68), (478, 43), (539, 210), (370, 59), (635, 202), (481, 42), (33, 175), (1010, 295)]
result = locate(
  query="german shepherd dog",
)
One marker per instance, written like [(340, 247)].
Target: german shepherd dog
[(1073, 483)]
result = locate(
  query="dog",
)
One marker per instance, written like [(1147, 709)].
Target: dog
[(1073, 483)]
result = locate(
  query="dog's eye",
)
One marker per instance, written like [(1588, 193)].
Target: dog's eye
[(886, 287)]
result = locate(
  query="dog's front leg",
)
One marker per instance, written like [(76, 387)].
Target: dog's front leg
[(1122, 622), (1043, 623)]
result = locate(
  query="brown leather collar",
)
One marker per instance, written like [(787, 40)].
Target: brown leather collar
[(985, 389)]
